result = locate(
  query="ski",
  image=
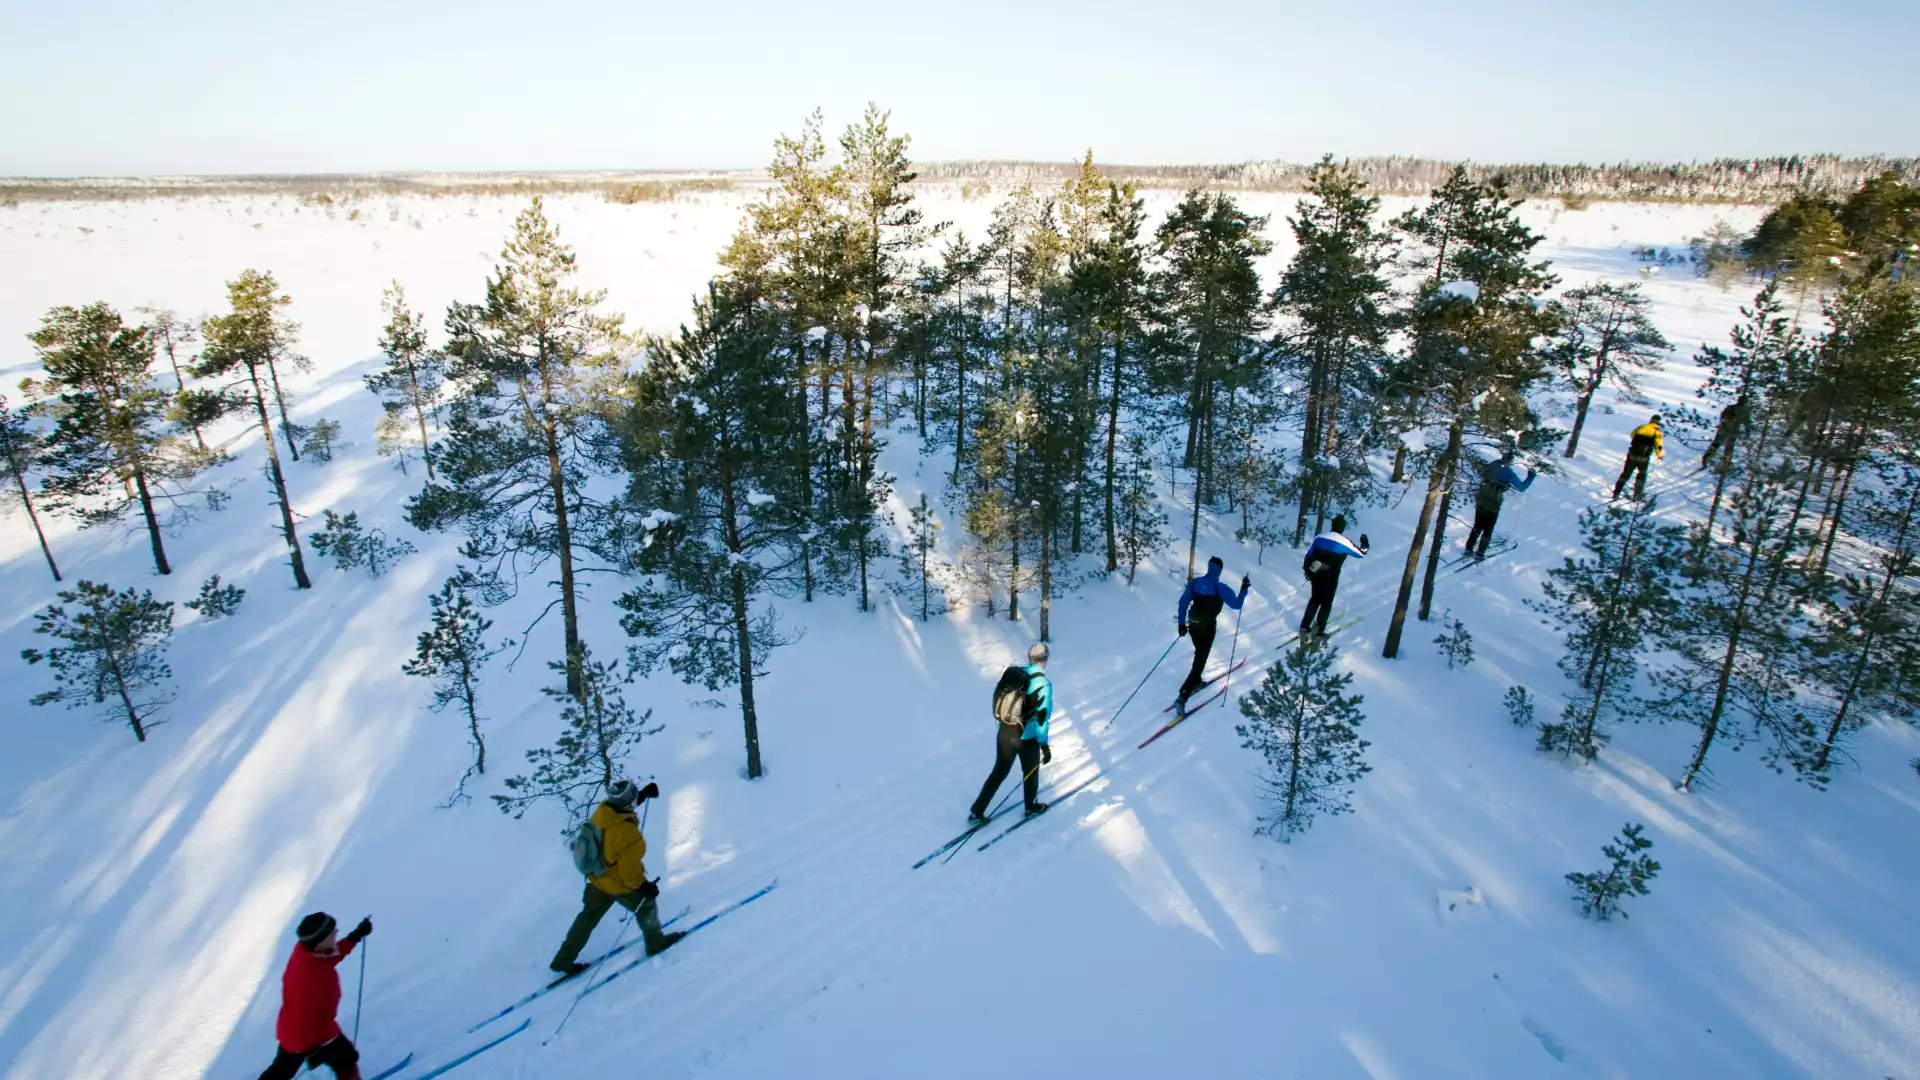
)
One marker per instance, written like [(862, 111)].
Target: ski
[(638, 960), (1468, 562), (563, 980), (1346, 623), (404, 1062), (1208, 683), (1064, 796), (463, 1058), (1183, 714), (962, 838)]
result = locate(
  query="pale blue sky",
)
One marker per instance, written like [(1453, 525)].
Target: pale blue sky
[(217, 86)]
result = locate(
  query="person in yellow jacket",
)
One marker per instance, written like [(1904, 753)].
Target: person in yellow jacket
[(1646, 444), (625, 882)]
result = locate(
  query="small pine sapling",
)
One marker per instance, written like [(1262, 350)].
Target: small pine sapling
[(321, 438), (1600, 892), (1455, 643), (352, 545), (115, 652), (449, 654), (216, 601), (923, 576), (1306, 727), (1519, 705), (601, 732)]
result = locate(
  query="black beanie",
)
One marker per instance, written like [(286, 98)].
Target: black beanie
[(315, 928), (1339, 523)]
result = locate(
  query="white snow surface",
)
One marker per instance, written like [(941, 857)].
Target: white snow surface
[(1141, 929), (1459, 290)]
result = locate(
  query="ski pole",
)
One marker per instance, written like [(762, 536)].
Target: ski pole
[(1150, 671), (590, 981), (1237, 613), (359, 990)]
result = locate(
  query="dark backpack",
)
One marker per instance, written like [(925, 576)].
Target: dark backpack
[(1010, 697)]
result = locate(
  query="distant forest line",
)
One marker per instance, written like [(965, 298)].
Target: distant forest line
[(1724, 180)]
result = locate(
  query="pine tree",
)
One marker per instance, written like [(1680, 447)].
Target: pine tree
[(319, 438), (240, 347), (923, 577), (1766, 349), (1607, 606), (21, 447), (410, 385), (538, 371), (1143, 527), (450, 654), (1519, 705), (1455, 642), (216, 601), (1114, 280), (1306, 727), (601, 733), (172, 334), (1606, 336), (110, 450), (352, 545), (115, 653), (709, 445), (1600, 892), (1471, 359), (1334, 321)]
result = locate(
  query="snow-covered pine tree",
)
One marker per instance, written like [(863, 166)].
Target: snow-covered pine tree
[(449, 655), (171, 334), (115, 654), (922, 573), (602, 732), (1113, 282), (1143, 527), (1471, 359), (1306, 728), (1605, 337), (1607, 606), (1627, 874), (1333, 306), (21, 447), (240, 348), (409, 386), (709, 449), (538, 368), (1766, 346), (111, 450)]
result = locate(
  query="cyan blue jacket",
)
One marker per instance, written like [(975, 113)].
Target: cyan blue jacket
[(1207, 590), (1040, 693)]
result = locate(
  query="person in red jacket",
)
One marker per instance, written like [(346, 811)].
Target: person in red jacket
[(309, 997)]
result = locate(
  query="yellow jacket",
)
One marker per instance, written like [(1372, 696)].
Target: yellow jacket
[(1651, 430), (622, 846)]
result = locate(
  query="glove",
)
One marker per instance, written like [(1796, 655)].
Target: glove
[(649, 889), (1363, 542), (1046, 754), (361, 931), (1183, 629), (651, 791), (1245, 583)]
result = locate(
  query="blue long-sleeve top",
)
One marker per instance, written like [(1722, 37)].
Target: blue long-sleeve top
[(1040, 695), (1204, 596), (1494, 482)]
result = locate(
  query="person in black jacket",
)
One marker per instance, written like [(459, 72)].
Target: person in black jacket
[(1322, 565)]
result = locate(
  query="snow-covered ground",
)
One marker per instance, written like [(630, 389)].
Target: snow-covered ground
[(1142, 929)]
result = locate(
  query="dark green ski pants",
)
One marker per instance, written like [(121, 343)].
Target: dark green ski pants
[(593, 907)]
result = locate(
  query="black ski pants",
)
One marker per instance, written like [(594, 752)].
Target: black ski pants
[(1636, 466), (338, 1055), (1482, 531), (1320, 603), (1202, 635), (1007, 749)]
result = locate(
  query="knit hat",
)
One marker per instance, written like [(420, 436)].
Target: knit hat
[(1339, 523), (1038, 653), (314, 928), (621, 794), (1215, 561)]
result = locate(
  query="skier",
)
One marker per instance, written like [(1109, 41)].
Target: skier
[(1322, 567), (1023, 707), (624, 883), (1732, 418), (1495, 479), (1647, 443), (307, 1030), (1199, 610)]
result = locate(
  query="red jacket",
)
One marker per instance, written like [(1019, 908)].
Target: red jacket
[(309, 998)]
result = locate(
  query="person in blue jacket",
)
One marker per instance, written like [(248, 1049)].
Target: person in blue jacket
[(1495, 480), (1322, 567), (1199, 610)]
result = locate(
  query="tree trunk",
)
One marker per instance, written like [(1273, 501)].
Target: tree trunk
[(153, 523), (743, 632), (563, 540), (300, 579), (26, 500), (473, 715), (1439, 538), (420, 413), (1435, 482), (280, 402), (1113, 433), (960, 394), (1579, 422), (126, 699), (1866, 646), (1399, 464), (1738, 627), (866, 470), (1833, 524)]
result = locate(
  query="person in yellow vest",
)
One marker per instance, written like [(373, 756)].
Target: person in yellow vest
[(1646, 444), (624, 883)]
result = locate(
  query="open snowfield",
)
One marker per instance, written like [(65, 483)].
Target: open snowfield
[(147, 892)]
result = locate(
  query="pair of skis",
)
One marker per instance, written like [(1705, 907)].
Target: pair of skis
[(1183, 708)]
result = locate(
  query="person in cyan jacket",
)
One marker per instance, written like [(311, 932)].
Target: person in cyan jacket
[(1495, 480), (1322, 565), (1199, 611), (307, 1030)]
